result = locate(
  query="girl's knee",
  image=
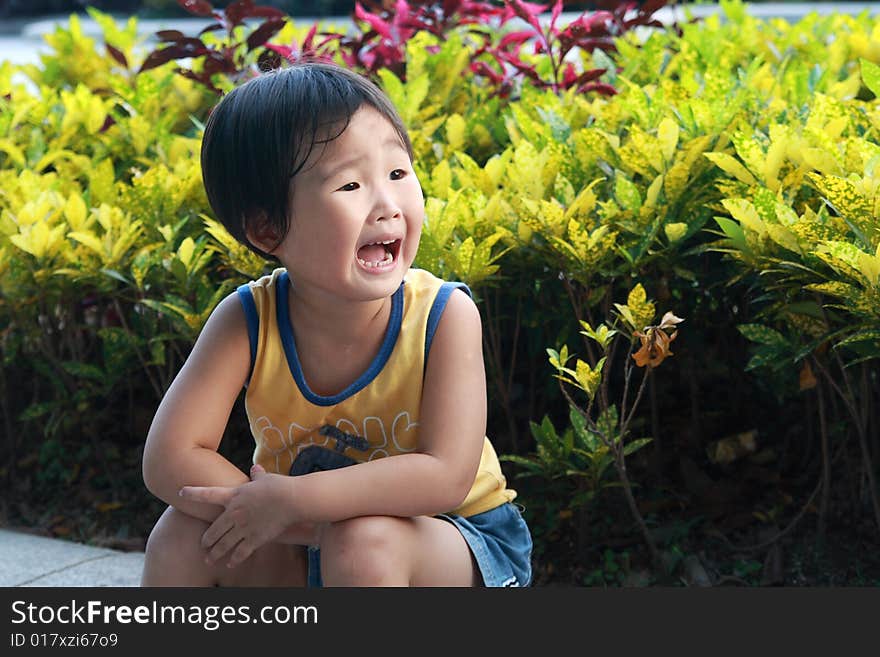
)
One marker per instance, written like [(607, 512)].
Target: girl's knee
[(176, 533), (365, 534), (174, 555), (365, 551)]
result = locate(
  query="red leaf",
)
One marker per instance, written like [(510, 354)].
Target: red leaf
[(515, 37), (236, 12), (650, 6), (266, 12), (285, 51), (213, 27), (482, 68), (108, 122), (569, 76), (527, 69), (451, 6), (117, 54), (380, 26), (527, 11), (589, 45), (402, 16), (589, 76), (169, 35), (200, 78), (479, 12), (597, 22), (190, 43), (599, 87), (307, 42), (265, 32), (197, 7), (557, 9), (216, 63), (159, 57)]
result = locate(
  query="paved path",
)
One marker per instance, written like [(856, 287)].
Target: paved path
[(30, 560)]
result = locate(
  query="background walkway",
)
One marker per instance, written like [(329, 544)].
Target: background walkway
[(30, 560)]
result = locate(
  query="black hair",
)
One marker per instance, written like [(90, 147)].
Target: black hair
[(261, 134)]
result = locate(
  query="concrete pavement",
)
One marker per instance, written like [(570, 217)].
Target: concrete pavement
[(31, 560)]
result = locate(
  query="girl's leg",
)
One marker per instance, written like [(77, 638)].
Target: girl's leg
[(390, 551), (175, 557)]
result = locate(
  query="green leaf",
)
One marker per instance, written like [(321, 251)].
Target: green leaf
[(734, 231), (626, 193), (84, 370), (762, 334), (862, 336), (763, 358), (635, 445), (871, 76), (112, 273)]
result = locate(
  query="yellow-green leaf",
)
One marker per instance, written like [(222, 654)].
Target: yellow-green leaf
[(731, 165), (675, 231), (667, 133)]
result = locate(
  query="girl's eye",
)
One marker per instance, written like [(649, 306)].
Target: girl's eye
[(397, 174), (350, 187)]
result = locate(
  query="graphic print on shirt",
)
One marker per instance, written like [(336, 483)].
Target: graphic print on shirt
[(326, 443), (318, 459)]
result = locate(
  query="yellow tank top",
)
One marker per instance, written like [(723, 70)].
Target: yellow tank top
[(297, 431)]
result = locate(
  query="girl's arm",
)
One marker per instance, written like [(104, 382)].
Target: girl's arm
[(435, 479), (181, 447)]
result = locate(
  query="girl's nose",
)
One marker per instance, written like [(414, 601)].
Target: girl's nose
[(386, 207)]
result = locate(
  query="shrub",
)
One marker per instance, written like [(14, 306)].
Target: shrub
[(733, 174)]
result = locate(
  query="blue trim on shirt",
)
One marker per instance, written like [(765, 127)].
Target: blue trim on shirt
[(437, 310), (246, 296), (289, 344)]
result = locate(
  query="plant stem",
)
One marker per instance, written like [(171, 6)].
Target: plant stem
[(156, 388), (627, 373), (655, 428), (850, 404), (620, 465), (625, 428), (493, 344), (771, 541), (617, 448), (579, 315)]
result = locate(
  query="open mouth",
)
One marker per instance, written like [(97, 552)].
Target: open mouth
[(379, 255)]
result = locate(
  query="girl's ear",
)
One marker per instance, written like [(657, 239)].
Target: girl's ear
[(262, 234)]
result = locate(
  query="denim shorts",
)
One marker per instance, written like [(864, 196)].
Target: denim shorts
[(498, 538)]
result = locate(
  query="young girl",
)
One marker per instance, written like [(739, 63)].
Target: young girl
[(366, 391)]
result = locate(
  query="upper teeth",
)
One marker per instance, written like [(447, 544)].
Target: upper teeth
[(386, 242)]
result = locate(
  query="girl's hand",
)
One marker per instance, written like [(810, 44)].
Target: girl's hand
[(302, 533), (256, 513)]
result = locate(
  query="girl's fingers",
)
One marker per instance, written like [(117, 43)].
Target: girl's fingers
[(242, 552), (218, 529), (224, 546)]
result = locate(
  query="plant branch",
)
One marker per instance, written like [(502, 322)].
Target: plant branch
[(156, 388), (850, 404), (625, 427), (771, 541)]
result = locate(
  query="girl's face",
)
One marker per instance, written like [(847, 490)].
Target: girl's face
[(356, 214)]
